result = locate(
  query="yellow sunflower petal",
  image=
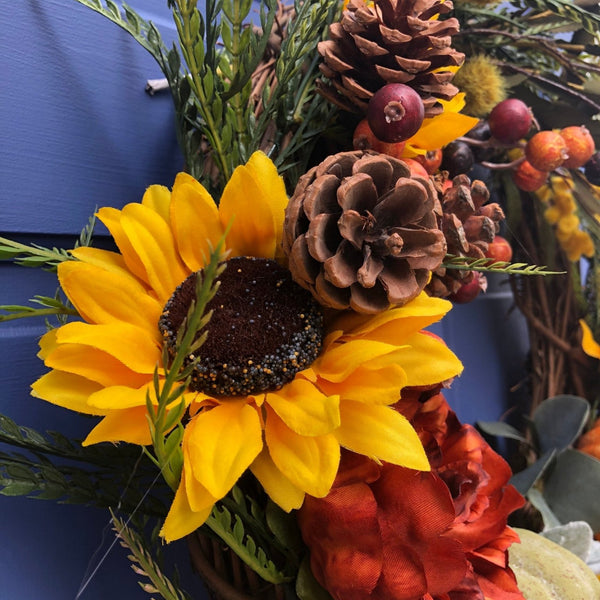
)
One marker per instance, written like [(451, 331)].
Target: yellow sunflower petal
[(588, 343), (106, 259), (153, 242), (93, 364), (181, 519), (279, 488), (67, 390), (195, 221), (427, 360), (119, 397), (441, 130), (222, 443), (47, 343), (158, 198), (395, 325), (337, 363), (111, 217), (127, 425), (102, 296), (305, 409), (363, 385), (198, 496), (310, 463), (129, 344), (254, 201), (381, 433)]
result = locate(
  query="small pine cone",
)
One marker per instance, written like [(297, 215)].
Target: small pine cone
[(468, 224), (361, 233), (390, 41)]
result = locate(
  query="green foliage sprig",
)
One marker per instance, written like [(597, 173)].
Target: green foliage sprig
[(54, 467), (167, 407), (144, 557), (51, 307), (230, 529), (221, 117), (465, 263)]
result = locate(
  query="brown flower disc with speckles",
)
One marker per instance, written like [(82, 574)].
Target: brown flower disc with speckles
[(263, 330)]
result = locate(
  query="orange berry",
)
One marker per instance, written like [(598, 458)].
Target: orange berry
[(528, 178), (416, 168), (546, 150), (580, 145), (431, 160)]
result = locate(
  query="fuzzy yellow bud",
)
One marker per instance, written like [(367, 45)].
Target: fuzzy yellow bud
[(483, 84)]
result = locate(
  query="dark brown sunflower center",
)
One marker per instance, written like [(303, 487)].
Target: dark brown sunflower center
[(264, 329)]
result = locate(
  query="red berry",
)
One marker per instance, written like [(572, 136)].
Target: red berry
[(528, 178), (499, 250), (431, 160), (546, 150), (416, 168), (467, 292), (395, 112), (580, 146), (510, 120)]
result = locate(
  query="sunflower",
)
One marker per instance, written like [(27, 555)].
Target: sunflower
[(287, 431)]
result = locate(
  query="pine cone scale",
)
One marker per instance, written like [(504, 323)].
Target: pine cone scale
[(399, 42)]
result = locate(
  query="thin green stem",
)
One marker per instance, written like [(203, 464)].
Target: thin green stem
[(38, 312), (186, 9)]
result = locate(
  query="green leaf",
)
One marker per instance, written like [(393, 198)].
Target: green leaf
[(537, 499), (571, 488), (307, 587), (501, 429), (524, 480), (18, 488), (559, 421)]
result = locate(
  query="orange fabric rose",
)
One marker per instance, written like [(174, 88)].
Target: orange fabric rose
[(390, 533)]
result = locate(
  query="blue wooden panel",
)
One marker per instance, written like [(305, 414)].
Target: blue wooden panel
[(78, 131)]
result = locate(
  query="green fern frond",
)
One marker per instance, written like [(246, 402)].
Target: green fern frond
[(231, 530)]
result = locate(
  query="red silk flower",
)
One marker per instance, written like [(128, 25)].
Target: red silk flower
[(389, 533)]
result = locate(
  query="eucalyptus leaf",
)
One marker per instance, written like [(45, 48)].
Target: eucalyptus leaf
[(501, 429), (559, 421), (537, 499), (524, 480), (571, 488)]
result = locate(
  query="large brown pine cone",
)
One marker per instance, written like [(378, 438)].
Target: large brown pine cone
[(391, 41), (361, 233), (469, 224)]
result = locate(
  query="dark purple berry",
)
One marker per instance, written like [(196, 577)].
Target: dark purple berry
[(592, 169), (457, 158)]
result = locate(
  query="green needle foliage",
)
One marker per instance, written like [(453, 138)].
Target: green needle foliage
[(223, 112), (465, 263)]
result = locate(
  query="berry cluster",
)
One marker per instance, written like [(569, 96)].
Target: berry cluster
[(545, 152)]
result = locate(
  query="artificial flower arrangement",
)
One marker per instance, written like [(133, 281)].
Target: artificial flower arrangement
[(259, 329)]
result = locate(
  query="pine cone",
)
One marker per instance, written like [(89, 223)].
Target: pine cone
[(361, 233), (468, 224), (390, 41)]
